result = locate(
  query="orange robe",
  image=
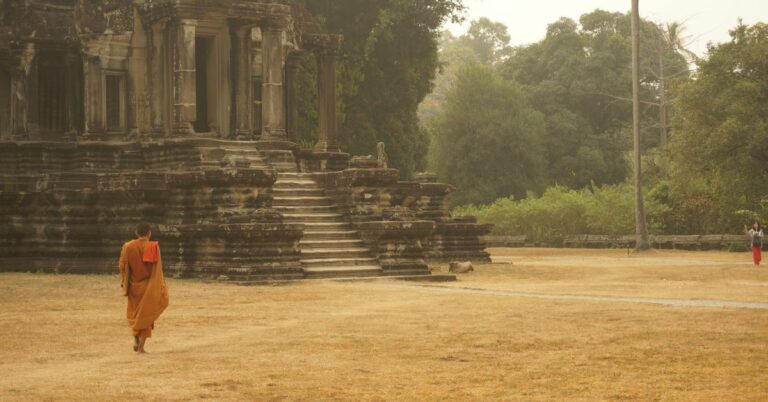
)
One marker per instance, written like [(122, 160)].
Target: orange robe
[(144, 284)]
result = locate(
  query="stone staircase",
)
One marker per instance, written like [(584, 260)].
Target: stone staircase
[(330, 248)]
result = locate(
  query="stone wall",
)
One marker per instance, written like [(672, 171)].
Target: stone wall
[(69, 208)]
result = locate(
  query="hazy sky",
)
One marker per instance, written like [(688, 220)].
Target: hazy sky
[(705, 20)]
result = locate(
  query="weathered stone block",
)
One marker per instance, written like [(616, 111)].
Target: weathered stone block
[(398, 244)]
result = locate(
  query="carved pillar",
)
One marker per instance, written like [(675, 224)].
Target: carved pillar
[(92, 96), (19, 103), (273, 103), (20, 92), (326, 94), (138, 82), (5, 103), (157, 61), (291, 99), (242, 83), (184, 92), (73, 86)]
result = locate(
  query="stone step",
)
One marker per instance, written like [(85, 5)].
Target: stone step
[(300, 191), (327, 226), (407, 272), (294, 184), (329, 249), (295, 174), (312, 217), (283, 167), (301, 209), (334, 243), (337, 262), (342, 252), (342, 271), (329, 235), (301, 201), (240, 151)]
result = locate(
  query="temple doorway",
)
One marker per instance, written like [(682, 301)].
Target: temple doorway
[(52, 94)]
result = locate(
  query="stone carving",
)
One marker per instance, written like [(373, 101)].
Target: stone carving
[(381, 156)]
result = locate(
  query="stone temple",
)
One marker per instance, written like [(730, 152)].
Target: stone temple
[(182, 113)]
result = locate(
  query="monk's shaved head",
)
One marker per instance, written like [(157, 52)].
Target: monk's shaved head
[(143, 229)]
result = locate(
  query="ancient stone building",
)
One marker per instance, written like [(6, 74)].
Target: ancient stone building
[(182, 113)]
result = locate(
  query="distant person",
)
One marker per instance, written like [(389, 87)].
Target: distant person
[(141, 277), (755, 234)]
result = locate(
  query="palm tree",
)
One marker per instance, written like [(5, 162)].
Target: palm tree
[(670, 38), (641, 228)]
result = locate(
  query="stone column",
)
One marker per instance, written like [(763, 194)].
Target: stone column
[(73, 101), (326, 94), (291, 98), (184, 85), (92, 96), (19, 104), (5, 104), (138, 80), (242, 83), (20, 92), (272, 93), (156, 78)]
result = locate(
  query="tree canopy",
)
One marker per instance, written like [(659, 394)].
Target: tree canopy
[(579, 76), (712, 177), (388, 61), (719, 153), (487, 140)]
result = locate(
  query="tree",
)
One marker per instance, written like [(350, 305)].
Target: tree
[(579, 76), (566, 77), (487, 139), (388, 61), (719, 154), (670, 64), (489, 40), (486, 42), (641, 228)]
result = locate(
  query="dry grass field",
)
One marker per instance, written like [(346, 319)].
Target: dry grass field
[(488, 336)]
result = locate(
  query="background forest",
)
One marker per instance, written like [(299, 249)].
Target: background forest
[(538, 138)]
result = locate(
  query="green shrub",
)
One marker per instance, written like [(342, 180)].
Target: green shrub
[(560, 211)]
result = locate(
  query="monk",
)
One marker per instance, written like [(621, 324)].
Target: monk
[(141, 277)]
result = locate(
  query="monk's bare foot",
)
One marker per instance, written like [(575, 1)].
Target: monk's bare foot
[(135, 343), (140, 348)]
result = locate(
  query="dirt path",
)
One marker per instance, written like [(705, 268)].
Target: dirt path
[(657, 275), (588, 298)]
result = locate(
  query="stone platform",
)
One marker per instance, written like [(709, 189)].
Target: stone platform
[(222, 211)]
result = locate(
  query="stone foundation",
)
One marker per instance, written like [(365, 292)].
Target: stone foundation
[(70, 207)]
